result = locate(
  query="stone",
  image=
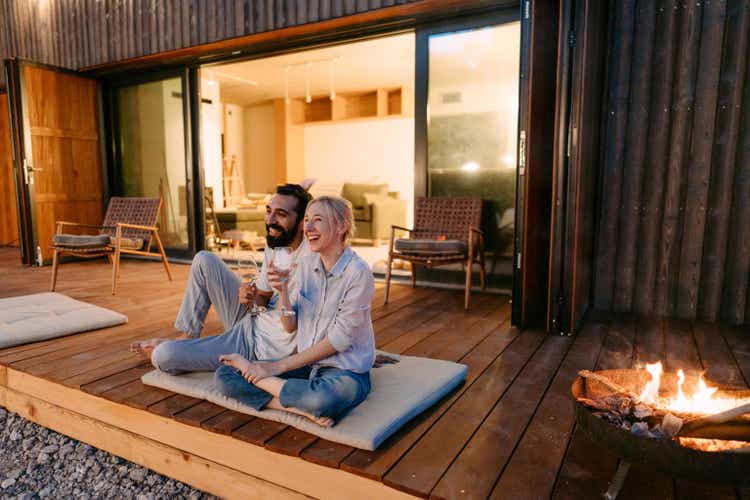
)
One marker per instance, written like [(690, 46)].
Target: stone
[(65, 450), (16, 473), (45, 492), (42, 458), (137, 475), (8, 483), (50, 449)]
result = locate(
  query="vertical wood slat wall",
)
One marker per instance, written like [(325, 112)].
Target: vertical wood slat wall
[(674, 218), (79, 33)]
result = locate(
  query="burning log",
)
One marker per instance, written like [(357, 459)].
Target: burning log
[(717, 418), (625, 408)]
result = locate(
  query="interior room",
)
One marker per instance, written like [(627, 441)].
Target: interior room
[(344, 116), (341, 115)]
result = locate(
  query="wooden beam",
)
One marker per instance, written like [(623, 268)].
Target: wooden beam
[(188, 468), (290, 472), (405, 13)]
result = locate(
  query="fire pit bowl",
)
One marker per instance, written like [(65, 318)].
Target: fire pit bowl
[(664, 455)]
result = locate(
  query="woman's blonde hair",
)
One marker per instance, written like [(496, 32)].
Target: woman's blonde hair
[(340, 211)]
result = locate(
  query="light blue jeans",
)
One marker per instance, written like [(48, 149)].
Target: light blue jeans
[(211, 282)]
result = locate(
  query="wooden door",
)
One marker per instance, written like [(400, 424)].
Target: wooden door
[(539, 28), (59, 150), (8, 210), (577, 149)]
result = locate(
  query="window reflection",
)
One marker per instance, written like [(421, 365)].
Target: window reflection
[(473, 122)]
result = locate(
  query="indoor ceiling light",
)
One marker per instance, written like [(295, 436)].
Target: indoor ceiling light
[(470, 166)]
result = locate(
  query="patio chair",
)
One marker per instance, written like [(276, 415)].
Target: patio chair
[(446, 231), (129, 227)]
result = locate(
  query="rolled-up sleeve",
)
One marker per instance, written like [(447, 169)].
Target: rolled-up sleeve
[(353, 312)]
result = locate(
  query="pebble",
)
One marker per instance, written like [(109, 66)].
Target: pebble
[(36, 463)]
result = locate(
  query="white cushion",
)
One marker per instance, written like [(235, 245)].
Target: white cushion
[(400, 391), (42, 316)]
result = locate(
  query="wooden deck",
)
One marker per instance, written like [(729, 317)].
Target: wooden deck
[(508, 432)]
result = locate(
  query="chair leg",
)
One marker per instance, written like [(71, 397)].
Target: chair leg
[(482, 272), (55, 262), (388, 277), (413, 274), (163, 255), (467, 292), (115, 269)]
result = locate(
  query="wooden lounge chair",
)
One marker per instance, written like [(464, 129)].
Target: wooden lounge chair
[(129, 227), (446, 231)]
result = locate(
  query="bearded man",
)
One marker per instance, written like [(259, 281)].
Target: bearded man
[(211, 282)]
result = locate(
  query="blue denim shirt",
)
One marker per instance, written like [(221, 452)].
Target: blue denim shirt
[(336, 305)]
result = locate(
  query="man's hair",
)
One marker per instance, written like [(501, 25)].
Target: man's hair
[(301, 194)]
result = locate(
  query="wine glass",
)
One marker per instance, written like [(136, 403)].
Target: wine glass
[(282, 258), (249, 272)]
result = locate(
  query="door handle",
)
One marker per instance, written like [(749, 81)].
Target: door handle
[(28, 171)]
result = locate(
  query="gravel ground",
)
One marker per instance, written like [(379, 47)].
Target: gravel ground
[(39, 463)]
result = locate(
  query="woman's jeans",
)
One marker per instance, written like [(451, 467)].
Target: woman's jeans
[(323, 391)]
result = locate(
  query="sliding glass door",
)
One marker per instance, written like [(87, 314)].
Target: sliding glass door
[(467, 123), (151, 153)]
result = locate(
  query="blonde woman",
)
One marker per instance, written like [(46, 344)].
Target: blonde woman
[(329, 307)]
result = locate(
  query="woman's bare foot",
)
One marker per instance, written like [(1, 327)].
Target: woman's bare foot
[(321, 421), (145, 347)]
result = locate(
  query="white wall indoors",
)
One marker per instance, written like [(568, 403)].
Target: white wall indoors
[(371, 151), (259, 148), (211, 140)]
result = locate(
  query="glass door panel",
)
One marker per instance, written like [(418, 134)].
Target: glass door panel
[(151, 152), (472, 124)]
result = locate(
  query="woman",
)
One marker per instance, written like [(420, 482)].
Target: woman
[(329, 305)]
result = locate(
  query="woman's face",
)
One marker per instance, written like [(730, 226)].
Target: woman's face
[(320, 229)]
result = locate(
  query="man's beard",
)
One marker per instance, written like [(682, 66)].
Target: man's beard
[(282, 240)]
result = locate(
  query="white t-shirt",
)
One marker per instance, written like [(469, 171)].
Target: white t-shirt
[(271, 340)]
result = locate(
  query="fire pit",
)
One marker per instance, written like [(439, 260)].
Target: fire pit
[(645, 417)]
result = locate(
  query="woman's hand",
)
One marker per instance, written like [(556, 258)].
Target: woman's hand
[(259, 370), (278, 278), (248, 293), (236, 361)]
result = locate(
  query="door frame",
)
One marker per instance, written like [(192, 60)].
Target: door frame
[(193, 178)]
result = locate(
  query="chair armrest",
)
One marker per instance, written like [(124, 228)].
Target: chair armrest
[(474, 231), (136, 226), (402, 228)]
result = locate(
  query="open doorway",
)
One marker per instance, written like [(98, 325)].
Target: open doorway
[(342, 115)]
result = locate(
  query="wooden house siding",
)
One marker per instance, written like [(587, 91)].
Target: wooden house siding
[(673, 230), (80, 33)]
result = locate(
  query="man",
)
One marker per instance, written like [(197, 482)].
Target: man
[(211, 282)]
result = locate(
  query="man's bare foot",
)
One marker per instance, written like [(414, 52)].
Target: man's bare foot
[(145, 347)]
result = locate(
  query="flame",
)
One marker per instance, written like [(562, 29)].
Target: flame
[(702, 401)]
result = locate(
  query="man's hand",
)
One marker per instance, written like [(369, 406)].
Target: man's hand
[(278, 278), (248, 294)]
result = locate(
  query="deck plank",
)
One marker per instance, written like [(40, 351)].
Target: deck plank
[(477, 467), (226, 422), (532, 470), (419, 470)]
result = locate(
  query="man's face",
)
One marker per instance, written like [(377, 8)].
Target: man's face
[(282, 221)]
